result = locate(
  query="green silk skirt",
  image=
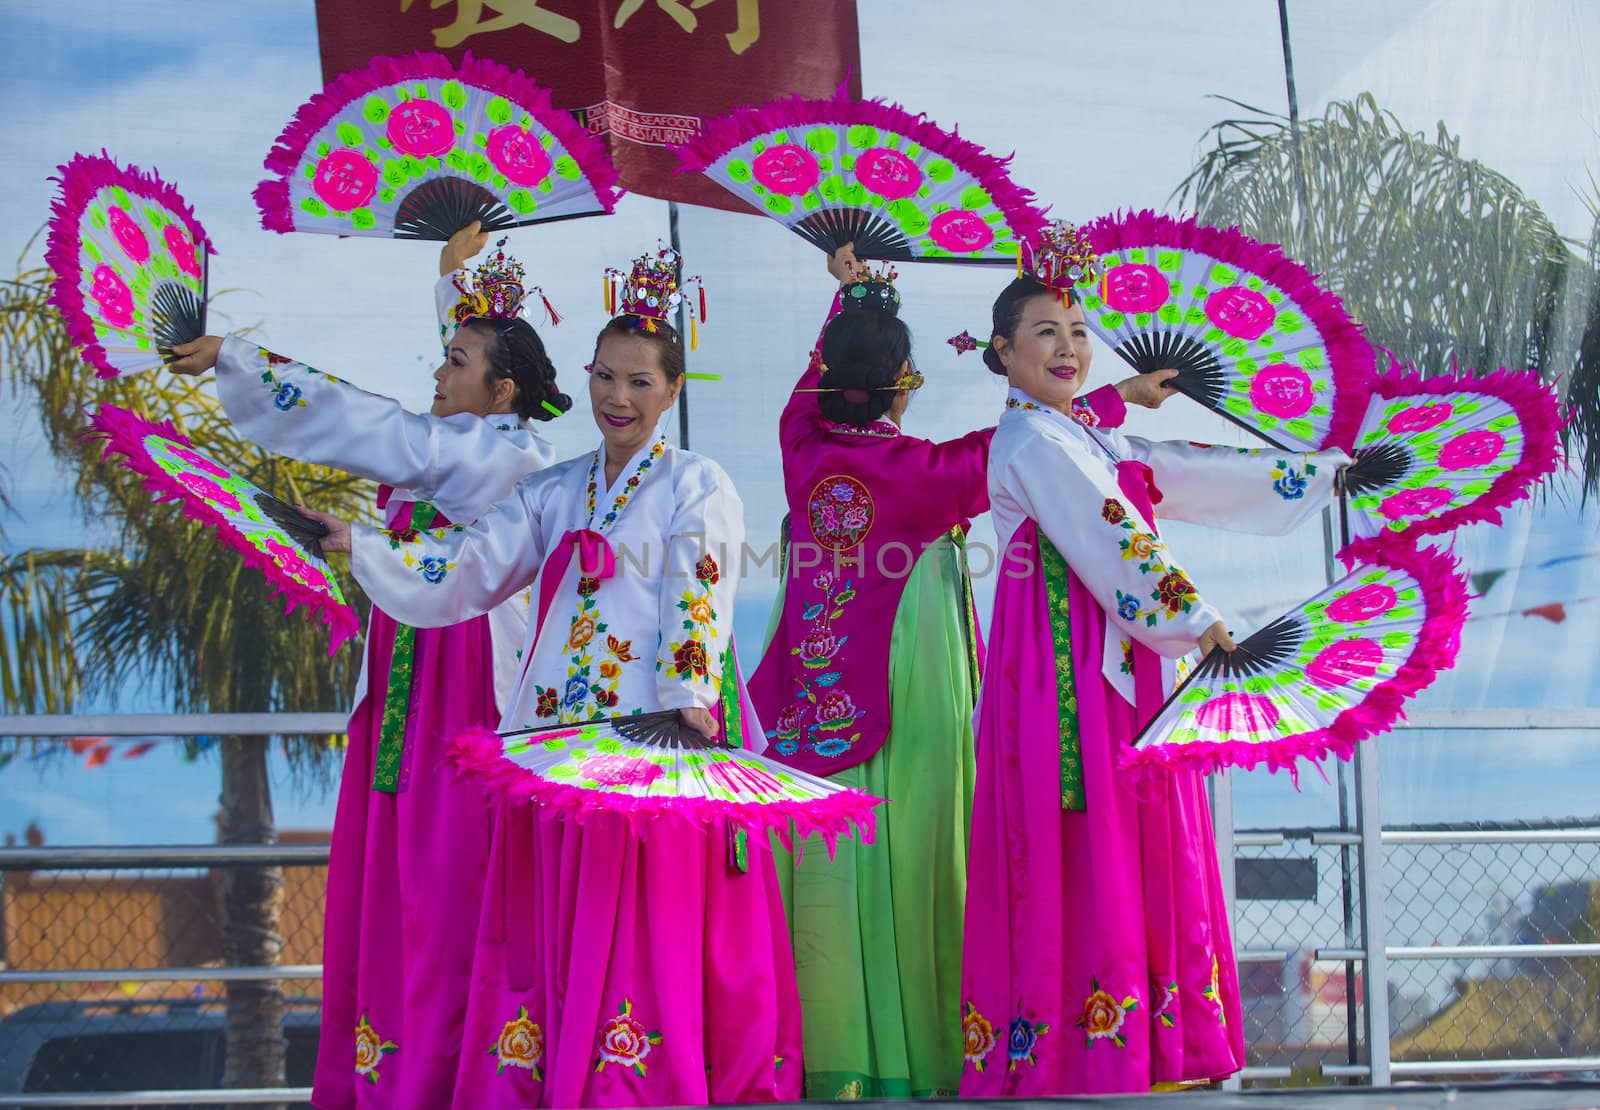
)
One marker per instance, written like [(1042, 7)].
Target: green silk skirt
[(877, 929)]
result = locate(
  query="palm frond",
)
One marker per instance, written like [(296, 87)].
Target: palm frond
[(1445, 261), (170, 606)]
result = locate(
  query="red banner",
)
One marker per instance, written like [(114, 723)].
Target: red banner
[(640, 73)]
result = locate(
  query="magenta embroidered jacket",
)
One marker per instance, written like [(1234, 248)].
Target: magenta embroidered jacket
[(864, 503)]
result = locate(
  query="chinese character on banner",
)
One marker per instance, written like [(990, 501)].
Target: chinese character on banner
[(641, 74)]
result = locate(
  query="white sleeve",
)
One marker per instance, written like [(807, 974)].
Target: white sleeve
[(1267, 492), (460, 463), (431, 578), (1112, 550), (697, 593)]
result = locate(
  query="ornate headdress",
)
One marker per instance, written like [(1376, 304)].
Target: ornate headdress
[(871, 290), (497, 292), (653, 290), (1060, 258)]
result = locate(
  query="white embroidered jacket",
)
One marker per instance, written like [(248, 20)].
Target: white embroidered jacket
[(1045, 466), (461, 464), (653, 636)]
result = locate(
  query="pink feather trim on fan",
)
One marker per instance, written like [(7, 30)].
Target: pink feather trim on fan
[(272, 195), (80, 179), (1444, 593), (1349, 351), (720, 135), (479, 753), (124, 433)]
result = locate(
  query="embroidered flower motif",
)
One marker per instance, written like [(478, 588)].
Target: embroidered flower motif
[(587, 585), (606, 699), (624, 1041), (699, 609), (1023, 1040), (689, 658), (835, 710), (287, 396), (1127, 656), (1112, 511), (549, 702), (1140, 545), (1176, 592), (786, 730), (1163, 1000), (840, 512), (622, 649), (706, 570), (977, 1037), (398, 536), (577, 691), (817, 648), (1213, 992), (433, 568), (1289, 483), (1084, 414), (521, 1045), (1103, 1015), (609, 668), (370, 1049), (1127, 606), (583, 630)]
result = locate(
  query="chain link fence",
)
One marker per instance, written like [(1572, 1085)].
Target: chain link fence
[(114, 977), (1493, 966)]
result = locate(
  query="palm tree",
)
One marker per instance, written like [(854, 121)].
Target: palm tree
[(1445, 261), (166, 604)]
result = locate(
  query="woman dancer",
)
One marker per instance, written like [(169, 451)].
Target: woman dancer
[(410, 843), (617, 964), (869, 677), (1097, 949)]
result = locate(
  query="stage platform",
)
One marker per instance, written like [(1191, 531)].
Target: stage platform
[(1551, 1095)]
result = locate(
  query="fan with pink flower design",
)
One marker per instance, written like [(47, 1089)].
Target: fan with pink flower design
[(130, 265), (1334, 670), (269, 535), (417, 147), (837, 171), (1251, 334), (1432, 454), (651, 765)]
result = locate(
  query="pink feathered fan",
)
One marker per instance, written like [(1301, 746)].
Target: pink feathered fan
[(1334, 670), (838, 171), (130, 265), (268, 534), (417, 147)]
